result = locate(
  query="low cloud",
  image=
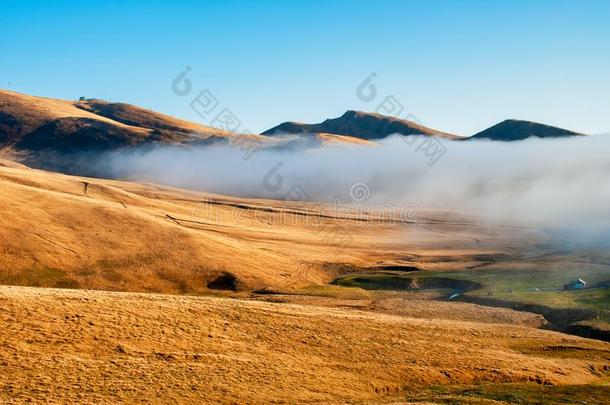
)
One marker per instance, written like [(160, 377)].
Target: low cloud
[(560, 183)]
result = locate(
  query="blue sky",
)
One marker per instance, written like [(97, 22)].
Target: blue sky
[(457, 66)]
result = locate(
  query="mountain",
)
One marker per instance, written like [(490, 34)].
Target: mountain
[(66, 136), (45, 124), (44, 128), (140, 117), (47, 130), (359, 124), (516, 130)]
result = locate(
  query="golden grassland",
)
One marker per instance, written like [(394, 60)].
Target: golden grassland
[(307, 342), (69, 231), (104, 347)]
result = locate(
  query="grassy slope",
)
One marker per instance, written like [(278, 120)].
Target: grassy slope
[(88, 346), (119, 237)]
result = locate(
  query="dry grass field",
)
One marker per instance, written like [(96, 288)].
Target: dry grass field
[(67, 346), (208, 338), (69, 231)]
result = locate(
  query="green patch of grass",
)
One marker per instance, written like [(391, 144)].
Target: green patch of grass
[(511, 285), (516, 394), (597, 300), (492, 280), (498, 279)]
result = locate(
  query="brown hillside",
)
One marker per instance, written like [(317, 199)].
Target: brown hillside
[(359, 124), (30, 123), (61, 230), (67, 346), (517, 130), (33, 124), (140, 117)]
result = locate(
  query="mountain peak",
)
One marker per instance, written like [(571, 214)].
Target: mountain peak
[(351, 113), (516, 130), (359, 124)]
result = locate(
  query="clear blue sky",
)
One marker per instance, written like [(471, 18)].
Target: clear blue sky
[(456, 65)]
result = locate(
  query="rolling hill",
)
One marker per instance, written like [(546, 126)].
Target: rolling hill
[(45, 124), (44, 128), (289, 336), (517, 130), (369, 126), (286, 334), (61, 230), (64, 135), (70, 346)]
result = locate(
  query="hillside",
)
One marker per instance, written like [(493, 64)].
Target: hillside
[(140, 117), (371, 126), (44, 124), (358, 124), (49, 131), (94, 233), (68, 136), (78, 232), (69, 346), (311, 341), (516, 130)]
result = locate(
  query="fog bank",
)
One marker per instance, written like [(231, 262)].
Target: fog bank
[(560, 183)]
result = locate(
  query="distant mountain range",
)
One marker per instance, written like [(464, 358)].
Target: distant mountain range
[(373, 126), (33, 124)]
